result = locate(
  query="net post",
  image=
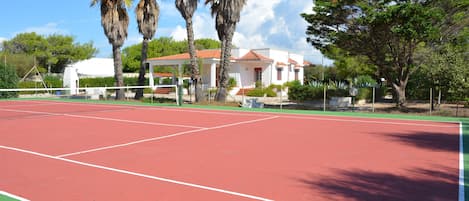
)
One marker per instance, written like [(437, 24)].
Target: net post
[(324, 103), (373, 102)]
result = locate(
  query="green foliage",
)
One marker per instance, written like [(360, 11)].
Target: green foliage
[(231, 83), (348, 66), (163, 46), (310, 93), (55, 50), (8, 80), (442, 69), (21, 62), (260, 92), (382, 33), (364, 81)]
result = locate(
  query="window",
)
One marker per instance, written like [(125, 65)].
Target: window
[(279, 73), (297, 71), (258, 74)]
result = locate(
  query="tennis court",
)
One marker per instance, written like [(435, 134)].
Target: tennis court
[(53, 150)]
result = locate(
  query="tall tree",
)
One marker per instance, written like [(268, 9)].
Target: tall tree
[(227, 14), (187, 9), (51, 52), (147, 18), (115, 22), (387, 32)]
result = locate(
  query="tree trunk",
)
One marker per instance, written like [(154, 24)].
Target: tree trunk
[(141, 74), (119, 79), (399, 91), (225, 65), (196, 81)]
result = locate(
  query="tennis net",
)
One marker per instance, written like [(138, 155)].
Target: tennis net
[(157, 93)]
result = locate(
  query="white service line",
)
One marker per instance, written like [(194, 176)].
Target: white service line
[(102, 118), (138, 174), (28, 105), (375, 122), (131, 121), (163, 137)]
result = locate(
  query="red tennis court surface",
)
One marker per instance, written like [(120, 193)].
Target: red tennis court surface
[(51, 150)]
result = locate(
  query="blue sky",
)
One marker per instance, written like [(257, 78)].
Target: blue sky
[(264, 23)]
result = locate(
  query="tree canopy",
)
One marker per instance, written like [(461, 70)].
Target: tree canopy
[(55, 50), (386, 32)]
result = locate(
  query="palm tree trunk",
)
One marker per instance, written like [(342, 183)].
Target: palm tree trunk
[(141, 74), (225, 65), (119, 79), (194, 65)]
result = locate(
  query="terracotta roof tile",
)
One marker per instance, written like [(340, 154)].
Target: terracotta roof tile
[(201, 54), (253, 56)]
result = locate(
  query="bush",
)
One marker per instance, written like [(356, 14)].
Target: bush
[(8, 80), (260, 92), (53, 81), (365, 94)]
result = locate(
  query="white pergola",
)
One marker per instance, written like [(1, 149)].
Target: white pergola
[(179, 63)]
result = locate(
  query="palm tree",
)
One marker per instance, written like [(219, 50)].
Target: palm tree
[(147, 12), (227, 14), (115, 22), (187, 9)]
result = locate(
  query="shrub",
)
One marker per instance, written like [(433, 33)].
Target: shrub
[(231, 83), (8, 80), (365, 94), (260, 92)]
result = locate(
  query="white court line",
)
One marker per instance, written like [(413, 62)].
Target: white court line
[(102, 118), (131, 121), (461, 193), (13, 196), (162, 137), (375, 122), (27, 105), (138, 174)]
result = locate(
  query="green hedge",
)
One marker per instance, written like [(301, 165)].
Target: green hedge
[(8, 80), (305, 93)]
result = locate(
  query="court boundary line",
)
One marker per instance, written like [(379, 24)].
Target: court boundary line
[(13, 196), (461, 190), (163, 137), (103, 118), (269, 113), (138, 174)]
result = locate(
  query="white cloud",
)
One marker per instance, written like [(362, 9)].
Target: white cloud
[(179, 33), (47, 29), (2, 39)]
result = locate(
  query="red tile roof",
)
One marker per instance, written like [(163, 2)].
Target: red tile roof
[(252, 56), (201, 54), (291, 61), (163, 74)]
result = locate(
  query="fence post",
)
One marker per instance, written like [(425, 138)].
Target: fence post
[(324, 104), (431, 100), (373, 102)]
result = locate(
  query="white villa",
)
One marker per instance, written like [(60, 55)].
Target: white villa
[(267, 66)]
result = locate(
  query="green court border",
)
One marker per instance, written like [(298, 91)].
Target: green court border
[(4, 196), (464, 121)]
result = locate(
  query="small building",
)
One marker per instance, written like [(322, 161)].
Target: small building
[(248, 66), (94, 67)]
